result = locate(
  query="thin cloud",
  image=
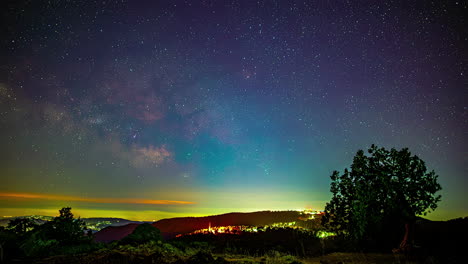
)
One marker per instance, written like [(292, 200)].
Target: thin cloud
[(92, 200)]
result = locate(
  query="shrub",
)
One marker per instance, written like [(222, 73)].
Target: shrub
[(142, 234)]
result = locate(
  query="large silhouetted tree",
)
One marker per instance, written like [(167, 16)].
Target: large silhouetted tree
[(65, 228), (381, 189)]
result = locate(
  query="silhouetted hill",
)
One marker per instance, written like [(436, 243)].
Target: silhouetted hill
[(181, 225), (189, 224)]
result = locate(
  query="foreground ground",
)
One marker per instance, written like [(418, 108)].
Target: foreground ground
[(358, 258), (333, 258)]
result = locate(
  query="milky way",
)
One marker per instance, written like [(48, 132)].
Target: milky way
[(223, 105)]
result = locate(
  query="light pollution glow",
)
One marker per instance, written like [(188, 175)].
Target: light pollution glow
[(213, 203), (217, 202), (91, 200), (96, 213)]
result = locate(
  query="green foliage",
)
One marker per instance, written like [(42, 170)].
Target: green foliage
[(382, 186), (65, 229), (190, 248), (79, 248), (20, 226), (142, 234), (8, 244), (38, 244), (68, 230), (64, 234)]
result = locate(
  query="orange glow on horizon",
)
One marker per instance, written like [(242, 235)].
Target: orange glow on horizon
[(93, 200)]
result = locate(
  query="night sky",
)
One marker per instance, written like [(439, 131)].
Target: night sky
[(155, 109)]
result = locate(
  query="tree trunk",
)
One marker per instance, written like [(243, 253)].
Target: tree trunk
[(404, 242), (407, 242)]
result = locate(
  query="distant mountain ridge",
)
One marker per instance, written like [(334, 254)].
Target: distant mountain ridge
[(93, 223), (189, 224), (181, 225)]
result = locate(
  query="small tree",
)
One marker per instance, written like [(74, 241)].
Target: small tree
[(66, 229), (62, 232), (381, 189), (142, 234)]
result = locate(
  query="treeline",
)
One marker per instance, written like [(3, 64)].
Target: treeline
[(285, 240), (64, 239), (64, 234)]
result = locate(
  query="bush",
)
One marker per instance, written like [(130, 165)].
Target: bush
[(142, 234), (8, 244), (38, 245)]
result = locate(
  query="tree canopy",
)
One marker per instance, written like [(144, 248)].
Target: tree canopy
[(381, 186), (65, 228), (64, 233), (21, 225)]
